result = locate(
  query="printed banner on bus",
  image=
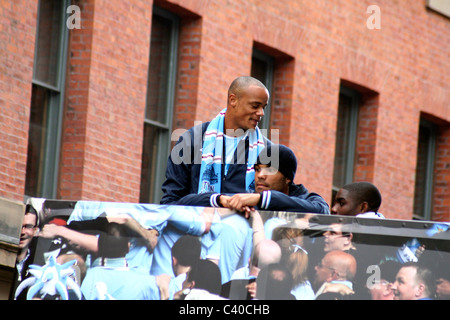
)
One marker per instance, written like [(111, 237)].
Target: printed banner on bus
[(93, 250)]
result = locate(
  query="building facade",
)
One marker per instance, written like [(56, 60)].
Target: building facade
[(94, 93)]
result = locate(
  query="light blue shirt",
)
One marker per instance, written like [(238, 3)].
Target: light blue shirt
[(150, 216), (120, 284), (184, 220), (235, 245)]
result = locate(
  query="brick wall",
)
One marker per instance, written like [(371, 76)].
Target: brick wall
[(107, 85), (17, 38), (77, 102), (441, 197)]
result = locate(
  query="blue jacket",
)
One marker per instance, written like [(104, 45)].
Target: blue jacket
[(184, 163)]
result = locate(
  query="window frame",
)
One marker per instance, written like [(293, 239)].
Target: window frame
[(164, 141), (429, 171), (268, 82), (50, 153), (351, 138)]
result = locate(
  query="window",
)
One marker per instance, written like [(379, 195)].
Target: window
[(160, 100), (47, 99), (441, 6), (423, 192), (346, 134), (263, 70)]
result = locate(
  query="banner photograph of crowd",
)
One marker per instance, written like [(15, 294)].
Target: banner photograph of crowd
[(92, 250)]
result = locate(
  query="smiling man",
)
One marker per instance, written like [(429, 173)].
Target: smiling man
[(247, 98), (27, 243), (413, 282), (218, 156)]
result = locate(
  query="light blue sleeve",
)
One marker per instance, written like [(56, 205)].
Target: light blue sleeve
[(150, 216)]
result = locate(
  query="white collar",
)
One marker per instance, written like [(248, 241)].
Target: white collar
[(371, 214)]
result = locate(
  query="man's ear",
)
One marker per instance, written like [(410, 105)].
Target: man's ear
[(364, 207), (349, 238), (232, 99), (420, 290), (334, 275)]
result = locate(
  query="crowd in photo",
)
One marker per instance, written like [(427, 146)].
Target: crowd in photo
[(106, 250)]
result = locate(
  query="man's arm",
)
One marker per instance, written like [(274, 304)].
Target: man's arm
[(163, 281), (200, 200), (149, 235), (77, 239), (277, 201), (183, 166), (272, 200), (177, 183)]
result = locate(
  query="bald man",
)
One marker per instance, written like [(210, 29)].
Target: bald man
[(218, 156), (266, 252), (334, 275), (242, 286)]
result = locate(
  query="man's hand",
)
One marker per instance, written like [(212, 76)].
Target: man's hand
[(243, 202), (150, 235), (251, 288), (340, 288), (162, 282), (208, 216), (50, 231), (120, 218), (303, 223)]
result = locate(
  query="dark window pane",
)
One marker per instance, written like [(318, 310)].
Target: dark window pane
[(422, 171), (149, 162), (262, 69), (343, 141), (159, 68), (259, 70), (36, 140), (46, 65)]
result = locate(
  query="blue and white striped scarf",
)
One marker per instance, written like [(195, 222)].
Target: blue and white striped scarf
[(212, 154)]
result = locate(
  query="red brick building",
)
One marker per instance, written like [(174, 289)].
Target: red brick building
[(93, 92), (101, 65)]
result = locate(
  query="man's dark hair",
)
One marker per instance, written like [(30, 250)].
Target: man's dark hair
[(113, 241), (187, 250), (274, 282), (29, 209), (206, 275), (365, 191)]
